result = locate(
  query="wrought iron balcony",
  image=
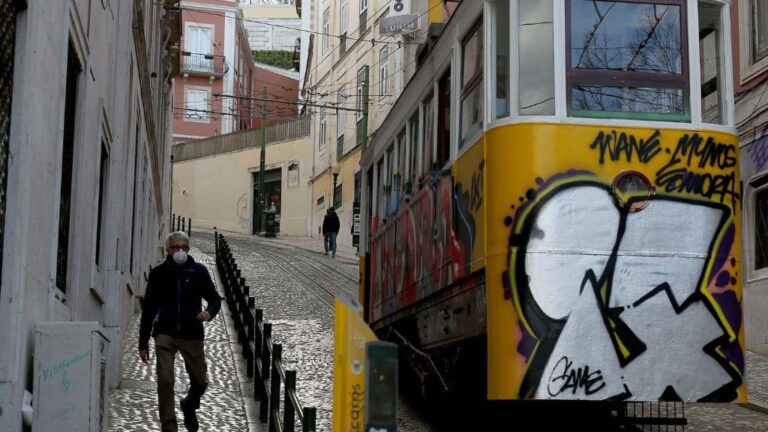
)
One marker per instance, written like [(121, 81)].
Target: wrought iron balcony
[(203, 64)]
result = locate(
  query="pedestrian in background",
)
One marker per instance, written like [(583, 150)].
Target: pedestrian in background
[(331, 228), (172, 312)]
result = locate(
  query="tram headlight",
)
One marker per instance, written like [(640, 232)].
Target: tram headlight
[(632, 191)]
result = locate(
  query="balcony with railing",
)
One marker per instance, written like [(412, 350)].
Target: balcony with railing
[(203, 64)]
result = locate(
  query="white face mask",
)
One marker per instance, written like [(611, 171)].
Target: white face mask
[(180, 257)]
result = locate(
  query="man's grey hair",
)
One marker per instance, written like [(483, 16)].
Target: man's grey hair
[(178, 235)]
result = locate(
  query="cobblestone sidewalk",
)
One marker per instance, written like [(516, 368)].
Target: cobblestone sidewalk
[(133, 405)]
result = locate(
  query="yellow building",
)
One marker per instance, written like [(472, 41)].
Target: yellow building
[(355, 74)]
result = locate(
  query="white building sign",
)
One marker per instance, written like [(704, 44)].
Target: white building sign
[(399, 24)]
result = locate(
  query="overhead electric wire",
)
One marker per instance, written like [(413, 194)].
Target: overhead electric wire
[(400, 44)]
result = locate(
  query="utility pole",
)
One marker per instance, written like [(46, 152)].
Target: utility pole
[(262, 193)]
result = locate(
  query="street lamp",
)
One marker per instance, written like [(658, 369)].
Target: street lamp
[(335, 171)]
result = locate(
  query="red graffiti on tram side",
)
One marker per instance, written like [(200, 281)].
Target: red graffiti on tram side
[(417, 252)]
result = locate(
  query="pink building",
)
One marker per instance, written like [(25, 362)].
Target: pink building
[(282, 92), (212, 91)]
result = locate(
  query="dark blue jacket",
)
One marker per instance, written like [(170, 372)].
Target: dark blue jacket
[(173, 300), (331, 223)]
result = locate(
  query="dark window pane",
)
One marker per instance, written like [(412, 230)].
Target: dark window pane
[(102, 200), (761, 229), (67, 167), (337, 197), (712, 64), (760, 29), (134, 179), (631, 37), (444, 120), (358, 185), (627, 99), (429, 131)]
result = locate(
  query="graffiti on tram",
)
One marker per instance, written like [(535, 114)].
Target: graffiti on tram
[(418, 250), (616, 303)]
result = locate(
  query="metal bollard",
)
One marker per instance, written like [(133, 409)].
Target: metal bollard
[(189, 227), (266, 363), (274, 392), (173, 222), (251, 338), (289, 415), (310, 419)]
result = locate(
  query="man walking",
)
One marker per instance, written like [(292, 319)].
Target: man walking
[(331, 228), (172, 313)]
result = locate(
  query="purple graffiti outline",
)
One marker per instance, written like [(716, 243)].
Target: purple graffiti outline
[(758, 151)]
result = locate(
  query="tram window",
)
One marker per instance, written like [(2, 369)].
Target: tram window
[(401, 144), (471, 86), (429, 134), (381, 199), (761, 229), (390, 182), (500, 57), (412, 155), (444, 120), (536, 82), (630, 99), (710, 49), (627, 59)]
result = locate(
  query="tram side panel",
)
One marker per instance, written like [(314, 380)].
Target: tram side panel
[(596, 295), (427, 256)]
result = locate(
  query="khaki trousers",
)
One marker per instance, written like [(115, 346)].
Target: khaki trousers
[(194, 361)]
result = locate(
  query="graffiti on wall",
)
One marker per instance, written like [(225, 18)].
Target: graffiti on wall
[(758, 150), (241, 211), (616, 303)]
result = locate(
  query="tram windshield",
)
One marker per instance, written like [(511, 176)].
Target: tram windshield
[(627, 58)]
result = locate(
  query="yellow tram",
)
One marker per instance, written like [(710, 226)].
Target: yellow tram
[(552, 209)]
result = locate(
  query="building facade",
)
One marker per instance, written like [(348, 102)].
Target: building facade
[(750, 44), (282, 89), (354, 76), (212, 90), (216, 180), (86, 207), (272, 26)]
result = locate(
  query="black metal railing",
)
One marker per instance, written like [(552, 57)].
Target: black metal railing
[(264, 358), (179, 223), (650, 416), (203, 64)]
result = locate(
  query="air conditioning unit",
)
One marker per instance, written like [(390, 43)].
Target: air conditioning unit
[(70, 382)]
